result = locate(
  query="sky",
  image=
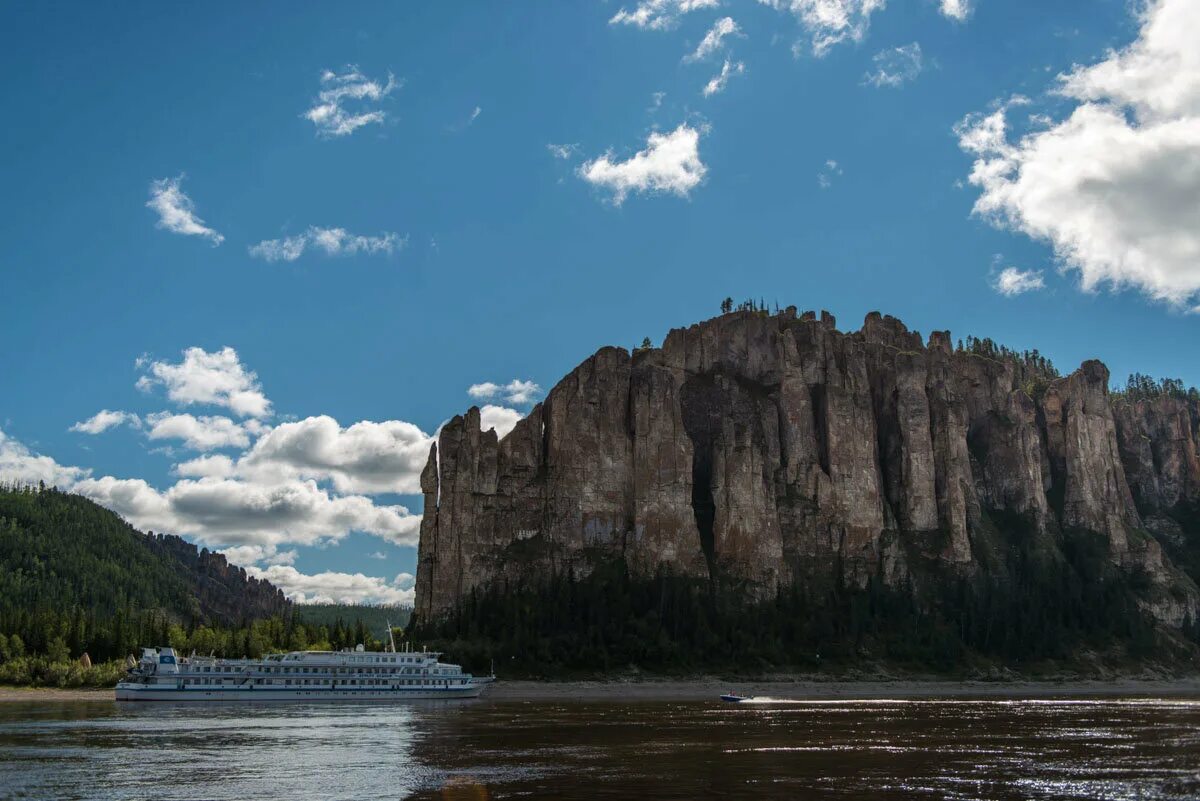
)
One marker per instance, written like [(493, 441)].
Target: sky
[(252, 256)]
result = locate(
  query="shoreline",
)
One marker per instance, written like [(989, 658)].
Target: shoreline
[(708, 689)]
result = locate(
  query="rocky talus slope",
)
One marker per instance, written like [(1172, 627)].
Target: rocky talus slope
[(758, 450)]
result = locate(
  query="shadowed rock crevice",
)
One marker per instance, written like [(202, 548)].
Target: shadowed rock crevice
[(702, 405)]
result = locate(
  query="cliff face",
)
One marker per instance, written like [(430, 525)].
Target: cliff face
[(759, 450)]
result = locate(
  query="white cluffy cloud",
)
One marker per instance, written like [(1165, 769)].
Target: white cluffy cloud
[(500, 418), (307, 483), (105, 419), (714, 40), (1012, 282), (895, 66), (215, 378), (718, 81), (830, 22), (1114, 187), (366, 457), (335, 588), (247, 555), (329, 112), (659, 14), (218, 465), (248, 523), (670, 163), (515, 391), (957, 10), (19, 465), (176, 212), (227, 512), (332, 241), (198, 433)]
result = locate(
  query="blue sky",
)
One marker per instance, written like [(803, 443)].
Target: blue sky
[(189, 239)]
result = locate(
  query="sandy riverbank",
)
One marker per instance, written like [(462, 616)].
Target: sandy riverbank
[(709, 689)]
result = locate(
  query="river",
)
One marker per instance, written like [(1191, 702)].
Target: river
[(1079, 748)]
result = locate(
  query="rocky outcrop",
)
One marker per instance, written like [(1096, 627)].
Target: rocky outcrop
[(762, 450), (223, 593)]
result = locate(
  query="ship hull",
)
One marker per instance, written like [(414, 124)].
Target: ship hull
[(277, 694)]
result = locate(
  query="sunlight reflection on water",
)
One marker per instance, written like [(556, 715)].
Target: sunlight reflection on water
[(830, 748)]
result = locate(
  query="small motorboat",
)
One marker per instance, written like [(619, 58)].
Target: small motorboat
[(736, 699)]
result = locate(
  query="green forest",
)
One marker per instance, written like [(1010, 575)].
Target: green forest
[(76, 580), (1034, 614)]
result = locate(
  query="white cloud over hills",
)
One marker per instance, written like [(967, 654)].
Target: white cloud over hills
[(307, 482), (341, 588)]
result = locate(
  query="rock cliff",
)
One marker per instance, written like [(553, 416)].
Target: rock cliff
[(758, 450)]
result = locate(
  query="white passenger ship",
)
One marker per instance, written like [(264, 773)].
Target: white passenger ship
[(163, 675)]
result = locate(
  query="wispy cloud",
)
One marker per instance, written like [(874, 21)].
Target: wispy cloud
[(1012, 282), (826, 175), (659, 15), (563, 152), (714, 40), (719, 81), (329, 113), (103, 420), (829, 22), (330, 587), (895, 66), (176, 212), (515, 391), (330, 241)]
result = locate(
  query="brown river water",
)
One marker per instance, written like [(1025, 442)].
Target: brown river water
[(1134, 748)]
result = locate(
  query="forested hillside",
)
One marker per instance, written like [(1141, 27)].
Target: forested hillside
[(76, 579), (374, 618)]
